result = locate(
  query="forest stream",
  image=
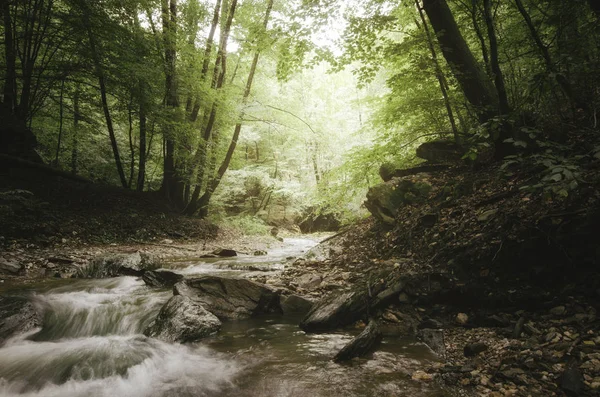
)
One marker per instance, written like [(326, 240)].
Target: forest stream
[(91, 344)]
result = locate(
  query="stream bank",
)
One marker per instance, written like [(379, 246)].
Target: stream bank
[(89, 341)]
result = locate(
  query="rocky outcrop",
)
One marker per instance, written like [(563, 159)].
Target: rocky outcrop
[(440, 151), (362, 345), (161, 278), (230, 298), (384, 200), (17, 315), (115, 265), (183, 320)]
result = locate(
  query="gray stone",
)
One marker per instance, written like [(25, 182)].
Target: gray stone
[(571, 381), (362, 345), (17, 315), (309, 281), (336, 310), (183, 320), (230, 298), (434, 338), (161, 278), (9, 267), (295, 304), (114, 265), (473, 349)]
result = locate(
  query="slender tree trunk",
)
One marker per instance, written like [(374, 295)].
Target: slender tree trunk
[(564, 84), (495, 62), (206, 60), (10, 82), (60, 122), (172, 187), (484, 50), (439, 74), (203, 202), (219, 73), (103, 95), (76, 118), (142, 152), (131, 145), (475, 83)]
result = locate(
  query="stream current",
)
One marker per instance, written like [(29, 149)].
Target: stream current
[(91, 345)]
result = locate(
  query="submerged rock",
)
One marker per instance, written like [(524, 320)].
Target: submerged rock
[(17, 315), (161, 278), (362, 345), (230, 298), (222, 253), (183, 320), (434, 338)]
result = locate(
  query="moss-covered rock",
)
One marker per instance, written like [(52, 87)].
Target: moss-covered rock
[(384, 200)]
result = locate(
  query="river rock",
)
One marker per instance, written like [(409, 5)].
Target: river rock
[(17, 315), (473, 349), (183, 320), (295, 304), (8, 267), (384, 200), (335, 311), (434, 338), (161, 278), (230, 298), (114, 265), (224, 253), (362, 345)]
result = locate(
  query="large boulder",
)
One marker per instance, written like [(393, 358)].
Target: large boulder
[(440, 151), (183, 320), (344, 308), (295, 304), (114, 265), (384, 200), (17, 315), (161, 278), (230, 298), (336, 310)]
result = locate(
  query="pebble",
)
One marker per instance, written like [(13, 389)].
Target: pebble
[(462, 318)]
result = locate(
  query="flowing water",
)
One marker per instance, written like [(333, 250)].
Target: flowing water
[(91, 344)]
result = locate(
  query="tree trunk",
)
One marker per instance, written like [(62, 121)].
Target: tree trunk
[(142, 152), (60, 122), (484, 50), (439, 74), (202, 203), (10, 83), (172, 187), (220, 70), (131, 145), (564, 84), (494, 60), (102, 82), (75, 144), (475, 83)]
